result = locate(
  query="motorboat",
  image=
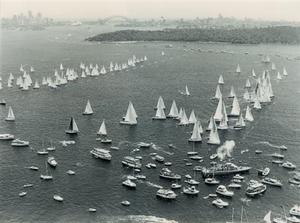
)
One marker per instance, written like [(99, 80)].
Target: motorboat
[(264, 172), (131, 162), (101, 154), (6, 136), (213, 156), (190, 190), (150, 165), (42, 152), (175, 186), (168, 174), (140, 177), (35, 168), (168, 164), (277, 161), (58, 198), (211, 181), (192, 182), (271, 181), (27, 185), (238, 177), (289, 165), (159, 158), (224, 169), (92, 210), (278, 155), (71, 172), (125, 203), (222, 190), (234, 185), (295, 210), (19, 143), (129, 183), (51, 161), (254, 188), (196, 157), (144, 145), (22, 194), (220, 203), (166, 194), (192, 153), (293, 219), (258, 151)]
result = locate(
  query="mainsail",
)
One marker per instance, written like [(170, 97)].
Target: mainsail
[(218, 93), (196, 135), (173, 111), (238, 69), (102, 130), (221, 80), (192, 118), (235, 111), (88, 109), (160, 103), (213, 135), (249, 116), (232, 92), (184, 120), (10, 115)]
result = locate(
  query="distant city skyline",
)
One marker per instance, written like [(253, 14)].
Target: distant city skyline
[(287, 10)]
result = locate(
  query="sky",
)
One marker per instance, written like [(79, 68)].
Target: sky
[(288, 10)]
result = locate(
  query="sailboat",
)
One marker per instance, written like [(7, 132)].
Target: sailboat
[(61, 67), (257, 104), (73, 128), (103, 132), (279, 77), (221, 80), (196, 135), (173, 111), (246, 95), (273, 67), (88, 109), (46, 176), (160, 103), (36, 85), (284, 72), (253, 73), (218, 93), (160, 114), (200, 129), (210, 124), (187, 92), (240, 123), (130, 117), (192, 118), (249, 116), (21, 68), (248, 84), (235, 111), (223, 123), (213, 135), (10, 116), (219, 111), (43, 151), (238, 69), (232, 93), (32, 69), (183, 120), (267, 217)]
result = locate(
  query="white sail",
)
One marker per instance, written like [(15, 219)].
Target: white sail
[(83, 75), (267, 217), (238, 69), (75, 127), (279, 77), (21, 68), (102, 130), (218, 114), (235, 111), (187, 92), (10, 115), (130, 117), (192, 118), (36, 85), (221, 80), (61, 67), (180, 113), (273, 67), (213, 135), (248, 84), (218, 93), (240, 122), (249, 116), (196, 136), (160, 103), (184, 120), (257, 104), (232, 92), (246, 95), (284, 72), (200, 129), (88, 109), (173, 111), (1, 85), (160, 113), (32, 69), (253, 73), (210, 124)]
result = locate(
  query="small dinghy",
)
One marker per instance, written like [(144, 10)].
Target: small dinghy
[(128, 183), (27, 185), (51, 161), (58, 198), (92, 210), (19, 143), (71, 172), (6, 136), (35, 168)]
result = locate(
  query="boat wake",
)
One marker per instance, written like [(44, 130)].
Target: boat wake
[(140, 219), (272, 145), (158, 148), (153, 184)]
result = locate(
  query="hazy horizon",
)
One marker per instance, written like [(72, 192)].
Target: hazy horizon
[(275, 10)]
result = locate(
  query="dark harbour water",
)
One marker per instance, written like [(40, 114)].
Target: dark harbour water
[(44, 114)]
